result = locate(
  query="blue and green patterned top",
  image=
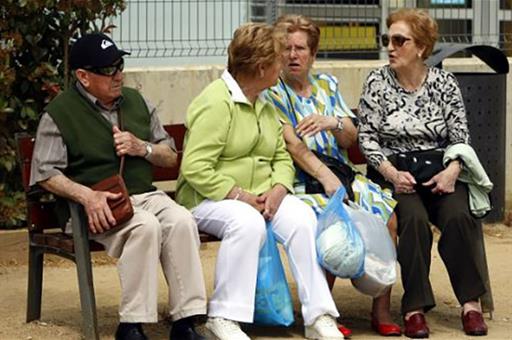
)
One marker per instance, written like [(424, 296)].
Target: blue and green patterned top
[(326, 99)]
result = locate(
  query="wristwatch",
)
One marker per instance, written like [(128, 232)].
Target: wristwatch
[(340, 126), (149, 150)]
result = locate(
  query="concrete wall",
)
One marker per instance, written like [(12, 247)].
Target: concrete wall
[(171, 89)]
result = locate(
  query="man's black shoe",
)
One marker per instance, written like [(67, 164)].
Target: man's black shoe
[(183, 329), (130, 331)]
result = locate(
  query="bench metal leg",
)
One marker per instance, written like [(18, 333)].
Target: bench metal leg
[(84, 271), (35, 283)]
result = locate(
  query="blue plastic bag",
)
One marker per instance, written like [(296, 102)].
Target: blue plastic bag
[(339, 245), (273, 304)]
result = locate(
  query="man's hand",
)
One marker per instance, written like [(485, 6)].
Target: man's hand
[(314, 124), (95, 204), (272, 200), (444, 181), (98, 212), (127, 144)]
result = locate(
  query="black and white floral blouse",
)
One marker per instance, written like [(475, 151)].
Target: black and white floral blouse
[(396, 120)]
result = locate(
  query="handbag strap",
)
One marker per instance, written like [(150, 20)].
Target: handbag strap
[(121, 127)]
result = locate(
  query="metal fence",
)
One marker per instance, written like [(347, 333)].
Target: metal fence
[(350, 28)]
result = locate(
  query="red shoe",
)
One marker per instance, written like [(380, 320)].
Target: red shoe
[(386, 329), (416, 326), (473, 323), (347, 332)]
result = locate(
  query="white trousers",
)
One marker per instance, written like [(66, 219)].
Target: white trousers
[(160, 231), (242, 230)]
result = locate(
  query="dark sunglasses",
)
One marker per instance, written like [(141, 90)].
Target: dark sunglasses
[(397, 40), (108, 70)]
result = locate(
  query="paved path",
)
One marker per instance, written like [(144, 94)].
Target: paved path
[(61, 310)]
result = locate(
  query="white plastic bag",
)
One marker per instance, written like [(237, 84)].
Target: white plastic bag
[(380, 252), (339, 246)]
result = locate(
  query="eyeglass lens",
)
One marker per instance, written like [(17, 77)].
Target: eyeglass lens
[(110, 70), (396, 39)]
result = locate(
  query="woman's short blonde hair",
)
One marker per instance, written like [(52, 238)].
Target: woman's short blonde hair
[(424, 28), (292, 23), (254, 45)]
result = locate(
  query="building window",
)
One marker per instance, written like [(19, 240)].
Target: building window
[(334, 2), (445, 3), (455, 31), (506, 37)]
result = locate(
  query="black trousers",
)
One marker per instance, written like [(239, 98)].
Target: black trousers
[(458, 246)]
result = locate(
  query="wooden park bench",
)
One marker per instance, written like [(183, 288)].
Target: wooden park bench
[(45, 235)]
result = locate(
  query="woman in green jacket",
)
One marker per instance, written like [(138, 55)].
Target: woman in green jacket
[(236, 174)]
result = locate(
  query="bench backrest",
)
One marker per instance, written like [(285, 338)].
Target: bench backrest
[(25, 149), (40, 212), (177, 131)]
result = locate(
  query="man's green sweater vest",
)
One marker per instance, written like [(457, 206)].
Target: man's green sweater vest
[(89, 139)]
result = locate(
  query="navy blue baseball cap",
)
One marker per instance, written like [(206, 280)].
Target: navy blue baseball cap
[(94, 50)]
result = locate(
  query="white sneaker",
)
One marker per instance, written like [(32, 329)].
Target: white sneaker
[(324, 328), (224, 329)]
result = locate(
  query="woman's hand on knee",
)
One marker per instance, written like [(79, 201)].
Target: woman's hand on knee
[(403, 182), (253, 201), (443, 182), (272, 200)]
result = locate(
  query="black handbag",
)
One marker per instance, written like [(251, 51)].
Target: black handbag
[(343, 171), (423, 165)]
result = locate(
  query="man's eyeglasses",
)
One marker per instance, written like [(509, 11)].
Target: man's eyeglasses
[(108, 70), (397, 40)]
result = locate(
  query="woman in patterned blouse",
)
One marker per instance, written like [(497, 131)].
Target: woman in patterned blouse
[(315, 117), (406, 106)]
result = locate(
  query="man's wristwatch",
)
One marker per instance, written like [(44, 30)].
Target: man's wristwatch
[(340, 126), (149, 150)]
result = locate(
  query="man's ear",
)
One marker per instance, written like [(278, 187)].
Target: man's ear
[(83, 77)]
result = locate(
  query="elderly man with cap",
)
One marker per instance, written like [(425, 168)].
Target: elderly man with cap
[(79, 143)]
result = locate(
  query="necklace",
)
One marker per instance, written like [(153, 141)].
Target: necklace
[(413, 86)]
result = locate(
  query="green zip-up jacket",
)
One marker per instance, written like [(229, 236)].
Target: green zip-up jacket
[(473, 173), (231, 142)]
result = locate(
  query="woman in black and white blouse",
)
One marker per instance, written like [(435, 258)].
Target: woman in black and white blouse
[(407, 106)]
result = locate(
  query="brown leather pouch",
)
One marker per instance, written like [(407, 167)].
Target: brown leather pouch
[(122, 207)]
